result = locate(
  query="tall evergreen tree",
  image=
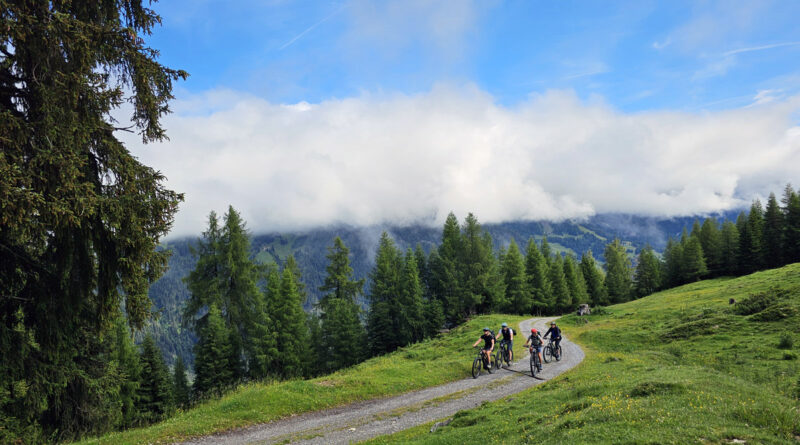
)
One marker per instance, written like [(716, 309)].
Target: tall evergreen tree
[(81, 216), (710, 242), (692, 260), (536, 272), (290, 322), (517, 294), (547, 252), (755, 225), (595, 285), (383, 294), (127, 358), (181, 389), (772, 236), (155, 386), (212, 352), (575, 281), (263, 331), (729, 248), (744, 265), (791, 214), (445, 271), (673, 263), (342, 333), (562, 300), (618, 272), (647, 278), (476, 268), (410, 307)]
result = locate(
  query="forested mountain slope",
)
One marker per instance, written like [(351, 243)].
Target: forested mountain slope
[(309, 249)]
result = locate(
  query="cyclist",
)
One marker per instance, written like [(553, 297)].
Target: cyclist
[(535, 341), (508, 337), (555, 334), (488, 346)]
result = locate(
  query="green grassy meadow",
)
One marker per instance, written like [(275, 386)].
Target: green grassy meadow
[(679, 366), (446, 358)]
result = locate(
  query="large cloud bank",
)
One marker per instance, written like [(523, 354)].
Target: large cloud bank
[(400, 159)]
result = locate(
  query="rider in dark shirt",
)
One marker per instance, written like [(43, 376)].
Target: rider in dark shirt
[(488, 346), (555, 333), (508, 336)]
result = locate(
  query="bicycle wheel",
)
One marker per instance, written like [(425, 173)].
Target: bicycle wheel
[(547, 353), (534, 368), (498, 359), (476, 367), (558, 353)]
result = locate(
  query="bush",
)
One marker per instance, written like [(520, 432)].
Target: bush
[(756, 303), (775, 313), (786, 341), (789, 356)]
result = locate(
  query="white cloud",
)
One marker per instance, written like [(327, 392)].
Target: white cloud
[(399, 159)]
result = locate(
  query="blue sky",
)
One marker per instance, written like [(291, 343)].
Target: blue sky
[(636, 55), (309, 113)]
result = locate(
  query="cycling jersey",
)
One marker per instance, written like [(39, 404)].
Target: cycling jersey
[(487, 338)]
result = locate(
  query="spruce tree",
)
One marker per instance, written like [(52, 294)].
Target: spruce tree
[(693, 263), (81, 218), (773, 231), (562, 301), (618, 272), (710, 240), (181, 389), (263, 332), (673, 263), (212, 352), (290, 322), (476, 266), (154, 395), (536, 272), (575, 281), (517, 294), (791, 214), (382, 325), (729, 248), (755, 225), (342, 334), (547, 252), (445, 270), (647, 278), (410, 307), (127, 358), (595, 286)]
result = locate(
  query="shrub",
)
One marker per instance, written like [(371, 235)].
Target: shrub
[(786, 341), (645, 389), (758, 302), (789, 356), (775, 313)]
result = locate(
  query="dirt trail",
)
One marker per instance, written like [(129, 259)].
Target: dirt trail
[(365, 420)]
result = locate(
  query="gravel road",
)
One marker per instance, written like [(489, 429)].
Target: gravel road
[(365, 420)]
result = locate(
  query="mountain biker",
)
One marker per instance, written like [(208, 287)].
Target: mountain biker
[(535, 342), (508, 337), (488, 346), (555, 333)]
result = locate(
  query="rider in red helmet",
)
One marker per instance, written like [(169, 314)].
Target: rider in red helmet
[(535, 341)]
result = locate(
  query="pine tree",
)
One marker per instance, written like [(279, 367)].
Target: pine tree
[(755, 225), (476, 263), (212, 352), (772, 236), (290, 322), (445, 271), (673, 263), (382, 326), (791, 214), (710, 240), (693, 263), (595, 286), (575, 282), (536, 272), (154, 395), (263, 331), (410, 307), (342, 334), (547, 252), (618, 272), (81, 216), (181, 389), (729, 248), (424, 271), (647, 278), (127, 358), (517, 294), (562, 301)]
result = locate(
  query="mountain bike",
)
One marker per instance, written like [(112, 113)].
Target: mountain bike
[(479, 362), (551, 352), (504, 354), (535, 362)]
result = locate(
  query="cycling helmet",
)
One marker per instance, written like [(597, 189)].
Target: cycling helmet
[(552, 323), (533, 331), (504, 325), (485, 329)]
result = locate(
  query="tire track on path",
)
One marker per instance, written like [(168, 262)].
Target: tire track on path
[(365, 420)]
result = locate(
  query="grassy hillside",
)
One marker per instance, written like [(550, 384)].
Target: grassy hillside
[(443, 359), (680, 366)]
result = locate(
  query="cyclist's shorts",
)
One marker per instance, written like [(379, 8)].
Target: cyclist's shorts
[(487, 350), (537, 348)]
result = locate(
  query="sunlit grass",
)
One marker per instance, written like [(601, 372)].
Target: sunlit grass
[(443, 359), (676, 367)]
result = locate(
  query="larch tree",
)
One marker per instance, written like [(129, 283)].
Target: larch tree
[(710, 241), (595, 286), (618, 272), (562, 300), (81, 218), (729, 248), (647, 278), (536, 272), (518, 296), (575, 281)]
